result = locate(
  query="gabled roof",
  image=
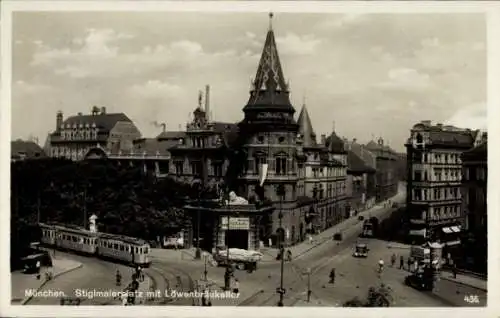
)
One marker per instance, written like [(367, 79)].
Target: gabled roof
[(29, 149), (306, 129), (270, 90), (102, 121)]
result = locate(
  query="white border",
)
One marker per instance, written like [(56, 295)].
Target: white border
[(493, 13)]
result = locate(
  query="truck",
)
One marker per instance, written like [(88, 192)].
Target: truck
[(240, 258), (369, 227)]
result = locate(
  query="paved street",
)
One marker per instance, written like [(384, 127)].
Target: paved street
[(95, 274)]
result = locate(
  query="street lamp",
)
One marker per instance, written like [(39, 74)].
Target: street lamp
[(280, 191), (309, 292), (227, 274), (205, 271)]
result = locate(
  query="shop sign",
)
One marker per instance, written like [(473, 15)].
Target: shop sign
[(235, 223)]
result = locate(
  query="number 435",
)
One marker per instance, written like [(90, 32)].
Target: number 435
[(471, 299)]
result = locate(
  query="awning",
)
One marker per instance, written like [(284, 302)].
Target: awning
[(418, 232), (447, 230)]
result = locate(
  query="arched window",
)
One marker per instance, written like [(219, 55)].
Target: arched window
[(259, 160)]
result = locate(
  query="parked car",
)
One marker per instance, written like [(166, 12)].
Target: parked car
[(337, 236)]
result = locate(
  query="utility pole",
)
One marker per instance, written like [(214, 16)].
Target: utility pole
[(38, 207), (227, 274), (309, 292), (85, 206)]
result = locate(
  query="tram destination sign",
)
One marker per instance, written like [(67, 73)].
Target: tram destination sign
[(235, 223)]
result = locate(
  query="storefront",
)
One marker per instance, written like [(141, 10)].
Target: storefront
[(245, 223)]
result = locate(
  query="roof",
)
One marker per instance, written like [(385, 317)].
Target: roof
[(334, 143), (372, 145), (450, 138), (478, 152), (103, 121), (153, 146), (269, 87), (28, 149), (171, 135), (306, 129), (356, 164)]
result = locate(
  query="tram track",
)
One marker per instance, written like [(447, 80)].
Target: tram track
[(171, 283)]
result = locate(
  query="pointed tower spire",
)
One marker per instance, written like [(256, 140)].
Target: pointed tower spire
[(306, 129), (270, 89)]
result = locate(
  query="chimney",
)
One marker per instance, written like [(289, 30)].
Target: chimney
[(354, 140), (207, 102), (59, 120), (95, 110), (103, 110), (323, 139), (80, 114)]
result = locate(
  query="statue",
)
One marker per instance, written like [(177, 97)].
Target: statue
[(236, 200)]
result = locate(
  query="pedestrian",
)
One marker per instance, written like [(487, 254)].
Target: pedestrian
[(393, 260), (289, 255), (236, 288), (332, 276), (416, 265), (270, 241), (410, 261), (124, 299), (401, 262), (203, 300), (454, 269), (310, 239)]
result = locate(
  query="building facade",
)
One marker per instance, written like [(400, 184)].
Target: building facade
[(386, 170), (358, 176), (268, 145), (474, 204), (434, 200), (75, 136)]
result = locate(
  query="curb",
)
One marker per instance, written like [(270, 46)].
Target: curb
[(27, 299), (464, 284)]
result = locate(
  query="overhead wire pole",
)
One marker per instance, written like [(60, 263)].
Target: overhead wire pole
[(281, 291)]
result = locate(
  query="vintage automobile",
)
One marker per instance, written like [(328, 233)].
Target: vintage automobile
[(360, 250), (418, 281)]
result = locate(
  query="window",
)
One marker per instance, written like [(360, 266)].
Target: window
[(179, 168), (217, 169), (259, 160), (281, 165), (196, 168), (281, 139), (418, 176), (260, 139), (417, 193)]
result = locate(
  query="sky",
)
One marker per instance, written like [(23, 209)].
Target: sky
[(365, 75)]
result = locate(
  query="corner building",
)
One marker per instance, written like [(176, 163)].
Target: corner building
[(313, 174)]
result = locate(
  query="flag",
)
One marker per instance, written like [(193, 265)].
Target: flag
[(263, 173)]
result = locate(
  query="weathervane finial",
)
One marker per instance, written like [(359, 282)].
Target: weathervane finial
[(271, 20)]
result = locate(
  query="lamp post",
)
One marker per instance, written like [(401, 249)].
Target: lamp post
[(198, 251), (309, 292), (281, 291), (205, 271), (227, 274)]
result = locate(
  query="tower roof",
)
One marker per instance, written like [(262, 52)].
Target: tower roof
[(334, 143), (306, 129), (269, 88)]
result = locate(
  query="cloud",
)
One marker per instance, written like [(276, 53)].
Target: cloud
[(406, 79), (473, 116), (293, 44), (343, 21), (156, 90)]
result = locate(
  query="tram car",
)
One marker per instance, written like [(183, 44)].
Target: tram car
[(123, 248), (108, 246)]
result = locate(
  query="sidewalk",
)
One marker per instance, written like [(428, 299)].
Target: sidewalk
[(327, 235), (21, 282), (466, 280)]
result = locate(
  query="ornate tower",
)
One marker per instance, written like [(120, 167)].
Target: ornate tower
[(269, 130)]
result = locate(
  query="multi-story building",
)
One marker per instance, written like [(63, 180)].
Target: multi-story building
[(268, 141), (23, 150), (474, 203), (386, 165), (358, 176), (434, 179), (74, 137)]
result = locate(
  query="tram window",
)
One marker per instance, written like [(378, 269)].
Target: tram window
[(121, 247), (115, 246), (136, 250), (146, 250)]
